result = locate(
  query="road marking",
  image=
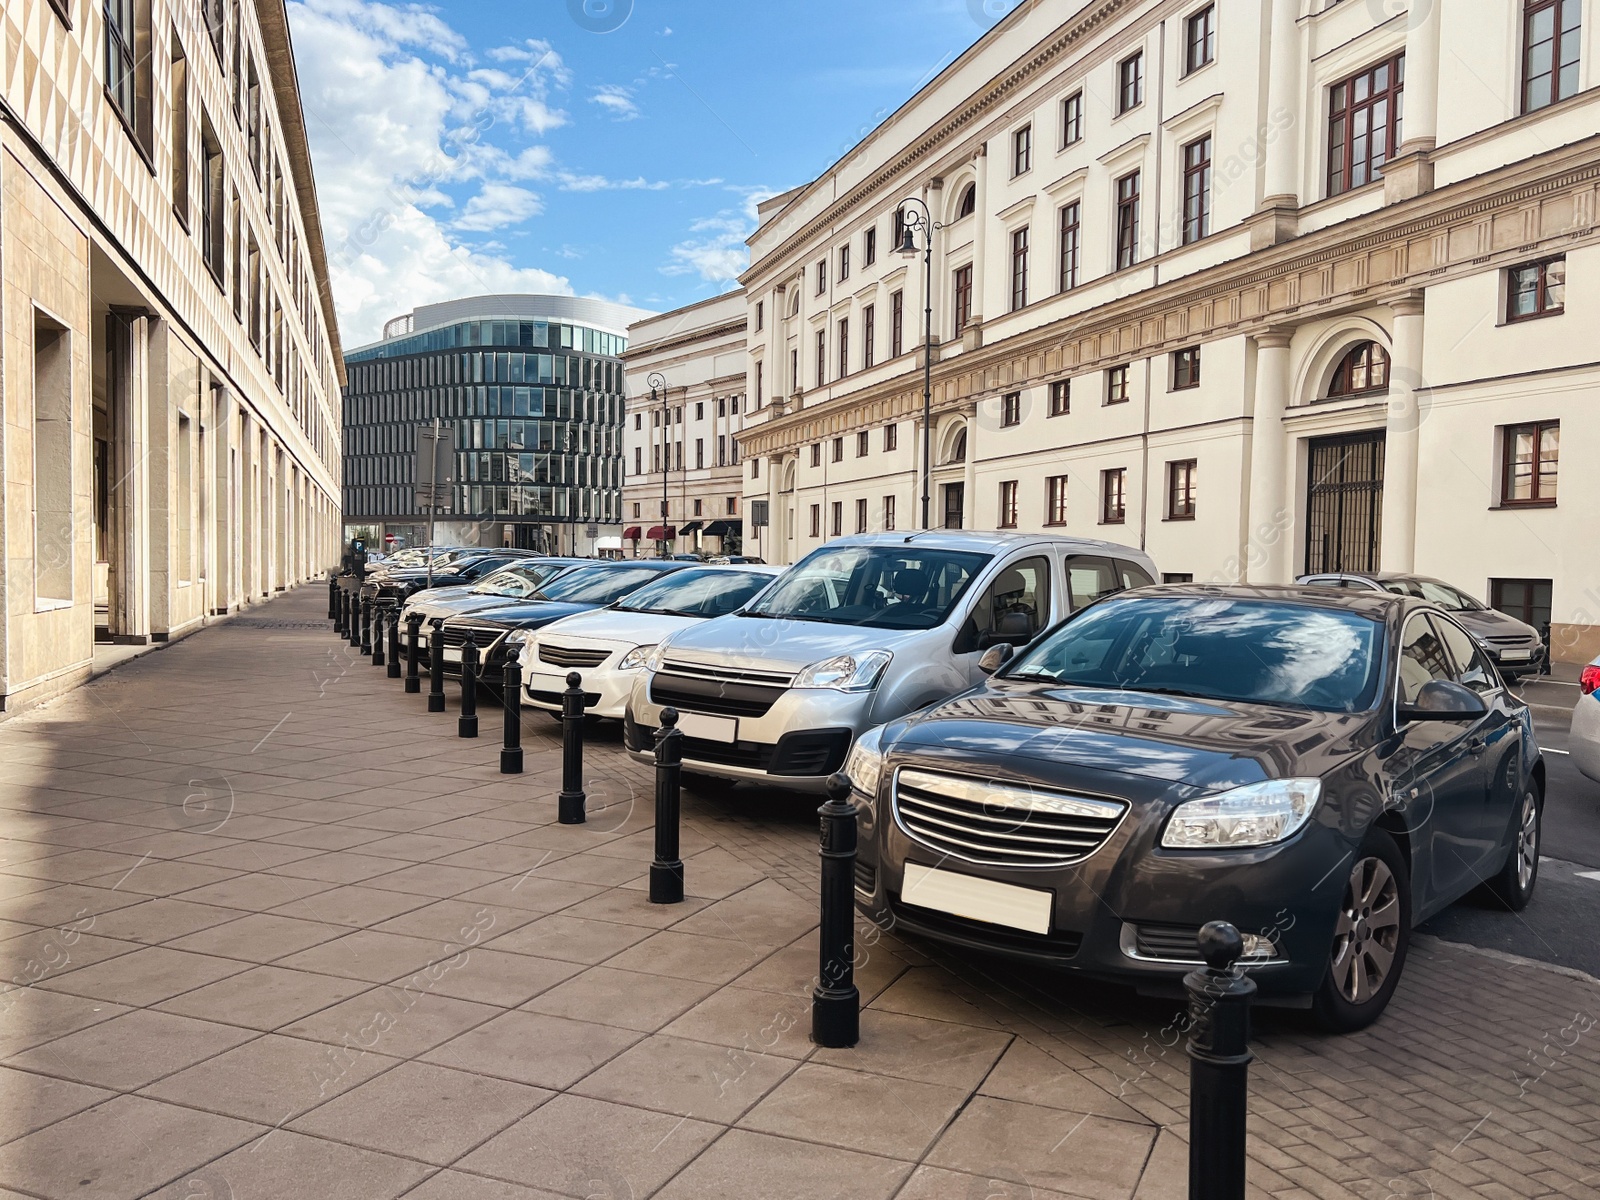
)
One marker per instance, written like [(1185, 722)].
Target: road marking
[(1553, 750), (1595, 875)]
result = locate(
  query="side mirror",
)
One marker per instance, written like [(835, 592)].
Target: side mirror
[(994, 658), (1443, 700)]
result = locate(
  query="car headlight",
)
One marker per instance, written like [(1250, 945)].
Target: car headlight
[(1257, 814), (656, 657), (522, 639), (846, 673), (636, 659), (864, 766)]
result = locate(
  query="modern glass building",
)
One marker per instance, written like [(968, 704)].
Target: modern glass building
[(532, 389)]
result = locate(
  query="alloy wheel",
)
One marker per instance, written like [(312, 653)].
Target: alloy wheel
[(1367, 932), (1528, 841)]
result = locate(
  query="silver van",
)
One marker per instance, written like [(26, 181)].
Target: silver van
[(860, 632)]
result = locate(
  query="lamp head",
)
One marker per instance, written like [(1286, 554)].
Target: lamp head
[(908, 240)]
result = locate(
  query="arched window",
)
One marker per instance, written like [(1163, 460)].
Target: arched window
[(794, 300), (958, 448), (1363, 369), (969, 202)]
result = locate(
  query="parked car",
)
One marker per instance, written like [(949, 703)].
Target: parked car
[(518, 580), (609, 645), (593, 585), (738, 559), (397, 586), (1516, 647), (1584, 741), (1322, 773), (859, 632)]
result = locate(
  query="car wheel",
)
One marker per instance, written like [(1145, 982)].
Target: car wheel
[(1370, 937), (1513, 887)]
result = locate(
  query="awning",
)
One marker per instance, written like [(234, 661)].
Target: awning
[(691, 527), (661, 533), (631, 533), (724, 528)]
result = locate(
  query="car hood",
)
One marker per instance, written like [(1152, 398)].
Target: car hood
[(455, 600), (1491, 622), (780, 644), (1211, 745), (616, 627), (528, 614)]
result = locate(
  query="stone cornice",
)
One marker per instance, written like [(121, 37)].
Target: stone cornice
[(678, 341), (1529, 208)]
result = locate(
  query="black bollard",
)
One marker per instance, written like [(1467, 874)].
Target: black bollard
[(1219, 1065), (666, 872), (341, 621), (394, 643), (569, 805), (413, 636), (835, 1002), (467, 722), (333, 598), (366, 625), (511, 700), (436, 665), (356, 610), (377, 634)]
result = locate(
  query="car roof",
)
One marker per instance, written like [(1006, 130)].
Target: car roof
[(1378, 605), (986, 540)]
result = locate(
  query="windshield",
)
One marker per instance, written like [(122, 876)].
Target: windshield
[(1219, 649), (697, 593), (596, 585), (1442, 594), (889, 587), (516, 581)]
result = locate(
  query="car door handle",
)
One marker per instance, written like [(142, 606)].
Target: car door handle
[(1477, 746)]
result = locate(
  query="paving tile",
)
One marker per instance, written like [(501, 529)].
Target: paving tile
[(367, 954), (326, 837), (77, 866), (264, 998), (916, 1048), (435, 879), (1029, 1073), (64, 904), (252, 856), (898, 1118), (534, 893), (765, 914), (631, 908), (255, 892), (29, 1102), (751, 1021), (352, 904), (270, 1079), (422, 1111), (157, 877), (287, 1164), (399, 1021), (458, 1185), (415, 847), (161, 920), (573, 939), (30, 1016), (496, 977), (45, 954), (130, 1050), (1003, 1183), (708, 959), (931, 992), (147, 975), (456, 921), (711, 1083), (348, 866), (534, 1048), (786, 1170), (582, 1147), (623, 998), (258, 937), (124, 1147)]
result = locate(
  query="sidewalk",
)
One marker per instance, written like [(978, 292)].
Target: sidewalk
[(288, 936)]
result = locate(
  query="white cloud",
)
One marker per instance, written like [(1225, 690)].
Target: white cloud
[(497, 205), (616, 100), (719, 255)]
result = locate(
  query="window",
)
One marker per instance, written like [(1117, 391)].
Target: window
[(1471, 663), (722, 449), (844, 347), (732, 506), (1528, 600), (635, 510), (180, 131), (1364, 124), (1060, 397), (699, 505), (1130, 82), (816, 520), (1180, 490), (1128, 220), (1072, 119), (955, 495), (1114, 496), (1551, 36), (891, 437), (127, 67), (638, 462), (1011, 409), (1055, 500), (861, 516), (699, 410), (213, 203), (53, 526), (1528, 470), (1364, 369), (863, 444), (869, 335), (759, 366), (1008, 504), (638, 420), (897, 313), (1185, 368), (1536, 290), (1423, 658), (962, 305), (816, 454), (838, 449), (822, 275), (215, 14), (869, 246), (755, 468), (888, 510), (822, 356), (844, 262), (1019, 268), (1177, 577), (1117, 384), (761, 314), (1022, 151), (837, 522), (1200, 39), (1197, 189), (969, 201), (794, 369), (1071, 234)]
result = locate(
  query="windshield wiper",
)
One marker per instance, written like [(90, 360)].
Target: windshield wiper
[(1044, 675)]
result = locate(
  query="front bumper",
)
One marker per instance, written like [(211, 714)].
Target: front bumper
[(605, 689), (1584, 740), (1517, 660)]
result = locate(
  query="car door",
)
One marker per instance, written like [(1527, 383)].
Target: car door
[(1495, 739), (1091, 577), (1437, 779), (1015, 606)]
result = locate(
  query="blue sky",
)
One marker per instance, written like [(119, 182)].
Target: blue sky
[(613, 148)]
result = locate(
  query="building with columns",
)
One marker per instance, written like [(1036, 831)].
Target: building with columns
[(686, 377), (169, 359), (1265, 288)]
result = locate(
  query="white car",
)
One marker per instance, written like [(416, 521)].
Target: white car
[(609, 645), (1584, 741)]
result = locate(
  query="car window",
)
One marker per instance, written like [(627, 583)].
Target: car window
[(1091, 578), (708, 593), (890, 587), (1021, 588), (1472, 664), (1422, 658), (1133, 575)]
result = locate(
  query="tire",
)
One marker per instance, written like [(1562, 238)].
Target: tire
[(1513, 886), (1366, 957)]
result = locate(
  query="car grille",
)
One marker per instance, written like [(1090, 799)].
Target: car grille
[(866, 876), (571, 656), (456, 635), (1512, 639), (999, 823), (726, 691), (1167, 941)]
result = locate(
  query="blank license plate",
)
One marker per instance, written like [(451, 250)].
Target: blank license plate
[(1516, 655), (978, 899), (451, 654), (709, 729)]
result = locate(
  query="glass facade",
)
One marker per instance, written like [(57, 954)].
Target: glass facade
[(536, 407)]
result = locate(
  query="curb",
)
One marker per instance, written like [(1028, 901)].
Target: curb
[(1510, 960)]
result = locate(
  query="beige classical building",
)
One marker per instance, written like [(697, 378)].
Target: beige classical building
[(168, 353), (682, 485), (1267, 288)]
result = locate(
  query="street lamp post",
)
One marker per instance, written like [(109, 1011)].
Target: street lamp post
[(658, 386), (910, 221)]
